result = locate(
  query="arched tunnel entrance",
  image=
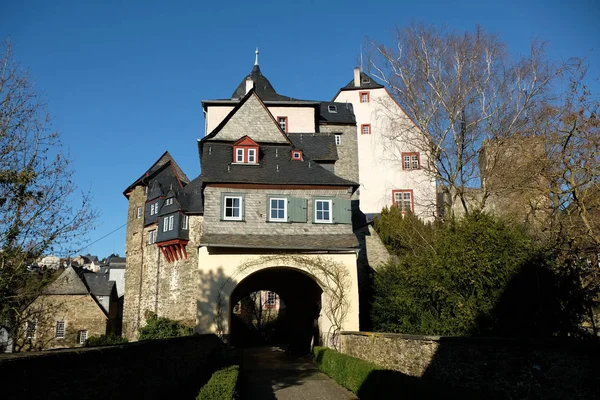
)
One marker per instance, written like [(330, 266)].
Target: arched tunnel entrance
[(295, 320)]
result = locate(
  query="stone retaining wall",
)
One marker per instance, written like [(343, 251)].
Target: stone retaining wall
[(156, 369), (503, 368)]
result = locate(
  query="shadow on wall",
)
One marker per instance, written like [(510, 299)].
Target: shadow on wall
[(360, 228), (539, 312), (212, 307)]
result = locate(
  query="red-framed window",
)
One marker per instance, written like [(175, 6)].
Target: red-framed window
[(364, 97), (404, 199), (297, 155), (283, 123), (365, 129), (245, 151), (411, 161)]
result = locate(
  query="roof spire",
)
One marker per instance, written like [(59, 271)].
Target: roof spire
[(256, 59)]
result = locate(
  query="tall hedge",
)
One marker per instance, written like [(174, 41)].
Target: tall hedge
[(473, 276)]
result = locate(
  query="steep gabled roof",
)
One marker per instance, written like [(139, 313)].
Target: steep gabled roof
[(262, 86), (366, 82), (336, 113), (164, 161), (68, 282), (316, 146), (98, 284), (275, 166), (263, 128), (191, 198)]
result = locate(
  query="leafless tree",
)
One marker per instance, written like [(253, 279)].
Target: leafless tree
[(37, 192), (461, 91)]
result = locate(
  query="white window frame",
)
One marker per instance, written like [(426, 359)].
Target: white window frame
[(285, 211), (366, 127), (271, 300), (296, 155), (239, 153), (252, 152), (139, 212), (282, 123), (400, 197), (59, 329), (330, 211), (152, 236), (83, 334), (241, 205), (185, 222), (169, 201), (364, 97), (332, 108), (338, 140), (30, 329), (152, 209)]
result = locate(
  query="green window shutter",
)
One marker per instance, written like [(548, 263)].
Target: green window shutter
[(297, 209), (342, 211)]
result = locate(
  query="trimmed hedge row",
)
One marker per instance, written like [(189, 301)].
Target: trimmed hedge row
[(370, 381), (222, 385)]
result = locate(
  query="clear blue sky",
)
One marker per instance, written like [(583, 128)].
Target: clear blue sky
[(124, 79)]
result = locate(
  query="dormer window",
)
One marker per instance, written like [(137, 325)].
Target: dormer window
[(245, 151), (332, 109), (296, 155), (169, 202), (366, 80)]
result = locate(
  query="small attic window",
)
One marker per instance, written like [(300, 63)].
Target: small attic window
[(169, 201), (296, 155), (366, 80), (332, 109)]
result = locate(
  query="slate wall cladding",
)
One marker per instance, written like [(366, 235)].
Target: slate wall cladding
[(152, 284), (503, 368), (156, 369), (256, 213), (347, 165)]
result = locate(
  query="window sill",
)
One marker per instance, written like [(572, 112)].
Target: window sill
[(232, 220), (244, 163)]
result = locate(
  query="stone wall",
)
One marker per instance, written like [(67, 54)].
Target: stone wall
[(158, 369), (502, 368), (347, 164), (79, 313), (151, 283), (256, 213)]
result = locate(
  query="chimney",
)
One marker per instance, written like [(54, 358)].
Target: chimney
[(356, 77), (249, 84)]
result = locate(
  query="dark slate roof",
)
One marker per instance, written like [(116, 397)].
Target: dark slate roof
[(316, 146), (161, 164), (68, 282), (263, 87), (155, 190), (114, 261), (297, 242), (191, 197), (99, 284), (372, 84), (344, 113), (275, 167), (170, 209)]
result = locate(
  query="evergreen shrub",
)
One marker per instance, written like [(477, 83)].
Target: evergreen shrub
[(222, 385)]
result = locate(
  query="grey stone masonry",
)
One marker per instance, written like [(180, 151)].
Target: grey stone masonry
[(256, 213), (252, 114), (347, 165)]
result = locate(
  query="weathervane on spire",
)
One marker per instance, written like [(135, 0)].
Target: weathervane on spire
[(256, 60)]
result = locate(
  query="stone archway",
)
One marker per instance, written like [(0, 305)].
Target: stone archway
[(298, 325)]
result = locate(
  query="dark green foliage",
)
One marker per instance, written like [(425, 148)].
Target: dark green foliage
[(370, 381), (162, 328), (222, 385), (473, 276), (105, 340)]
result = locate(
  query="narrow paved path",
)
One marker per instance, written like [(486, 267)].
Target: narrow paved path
[(270, 373)]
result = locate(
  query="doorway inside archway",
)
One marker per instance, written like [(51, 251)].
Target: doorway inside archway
[(276, 306)]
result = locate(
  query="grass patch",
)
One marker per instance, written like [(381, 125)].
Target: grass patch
[(371, 381), (222, 385)]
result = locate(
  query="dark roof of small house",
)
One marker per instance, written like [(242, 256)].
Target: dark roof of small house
[(191, 197), (113, 261), (171, 208), (98, 284), (89, 259), (371, 84), (299, 242), (161, 164), (262, 86), (68, 282), (275, 166), (343, 114), (316, 146)]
